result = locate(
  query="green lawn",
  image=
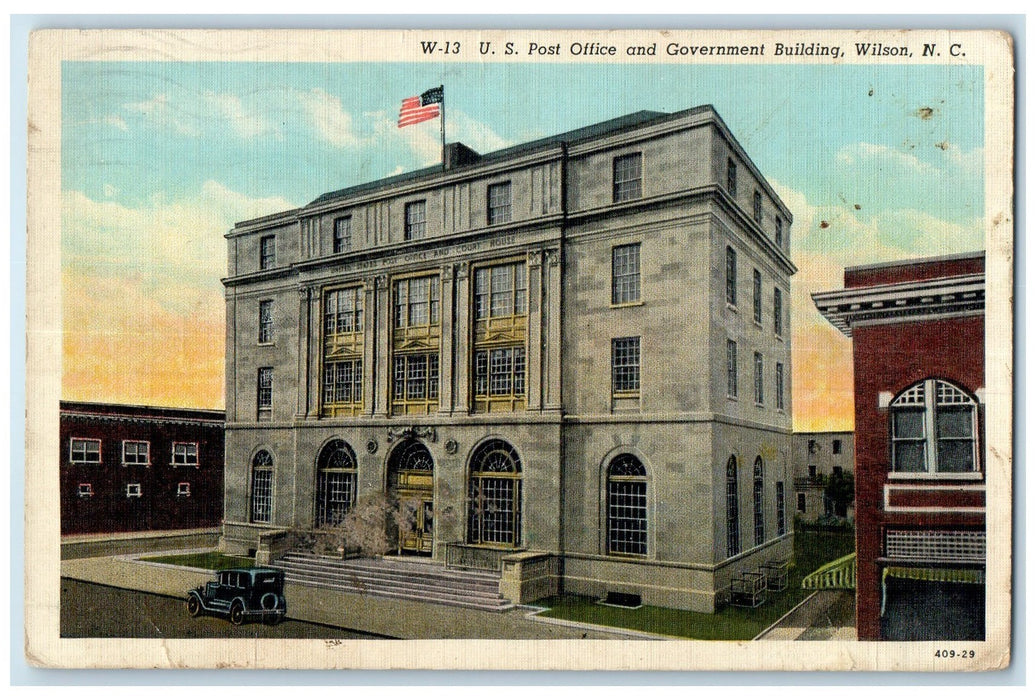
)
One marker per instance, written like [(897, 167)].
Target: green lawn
[(204, 560), (812, 550)]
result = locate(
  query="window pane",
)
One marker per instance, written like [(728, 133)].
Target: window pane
[(953, 422), (909, 457), (908, 424), (956, 456)]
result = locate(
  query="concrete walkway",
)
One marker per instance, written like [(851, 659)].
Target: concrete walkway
[(390, 617), (825, 615)]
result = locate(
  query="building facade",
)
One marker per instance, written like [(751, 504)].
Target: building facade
[(919, 382), (816, 458), (575, 350), (139, 468)]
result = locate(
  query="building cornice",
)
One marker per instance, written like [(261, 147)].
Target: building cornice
[(143, 419), (905, 301)]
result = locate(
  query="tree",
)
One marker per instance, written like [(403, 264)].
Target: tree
[(840, 491)]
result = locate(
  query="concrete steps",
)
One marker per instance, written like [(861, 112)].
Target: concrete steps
[(409, 579)]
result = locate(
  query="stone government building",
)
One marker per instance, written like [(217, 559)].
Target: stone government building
[(574, 352)]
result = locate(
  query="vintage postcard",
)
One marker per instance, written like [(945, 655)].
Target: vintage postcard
[(644, 349)]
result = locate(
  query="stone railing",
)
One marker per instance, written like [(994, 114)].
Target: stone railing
[(466, 556), (529, 576), (272, 544)]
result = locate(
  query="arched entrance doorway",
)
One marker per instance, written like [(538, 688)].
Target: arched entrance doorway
[(410, 472)]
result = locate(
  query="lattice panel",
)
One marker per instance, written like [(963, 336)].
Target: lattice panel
[(936, 545)]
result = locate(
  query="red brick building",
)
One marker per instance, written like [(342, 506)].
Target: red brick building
[(136, 468), (919, 376)]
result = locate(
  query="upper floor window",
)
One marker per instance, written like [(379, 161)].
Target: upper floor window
[(343, 311), (183, 489), (757, 296), (343, 237), (778, 312), (417, 301), (758, 359), (84, 451), (498, 197), (731, 177), (267, 252), (626, 273), (779, 386), (934, 425), (731, 276), (265, 321), (134, 491), (415, 221), (185, 453), (836, 447), (731, 369), (779, 231), (626, 177), (500, 290), (626, 365), (136, 452), (757, 207), (264, 397)]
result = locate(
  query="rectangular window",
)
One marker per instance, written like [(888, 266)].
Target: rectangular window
[(757, 207), (758, 379), (86, 490), (781, 525), (136, 452), (800, 502), (501, 290), (625, 365), (343, 236), (498, 199), (626, 178), (416, 377), (84, 451), (626, 273), (185, 453), (779, 386), (778, 312), (265, 321), (262, 495), (812, 471), (731, 276), (133, 491), (264, 399), (343, 311), (779, 231), (757, 296), (343, 382), (417, 302), (183, 489), (836, 447), (731, 369), (415, 221), (500, 373), (731, 177), (267, 252)]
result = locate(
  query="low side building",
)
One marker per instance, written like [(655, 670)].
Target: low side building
[(816, 457), (139, 468), (919, 383)]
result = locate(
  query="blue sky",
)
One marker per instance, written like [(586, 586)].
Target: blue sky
[(159, 159)]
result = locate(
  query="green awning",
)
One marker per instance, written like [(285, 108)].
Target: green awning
[(917, 573)]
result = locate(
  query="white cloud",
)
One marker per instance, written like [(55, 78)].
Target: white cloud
[(116, 121), (869, 155), (425, 139), (332, 122), (246, 122), (162, 113), (110, 190)]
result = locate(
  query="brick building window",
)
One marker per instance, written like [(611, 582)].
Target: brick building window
[(262, 487), (627, 506), (498, 198), (778, 312), (757, 296), (183, 489), (85, 491), (731, 276), (266, 321), (733, 516), (626, 274), (731, 369), (264, 391), (758, 363), (779, 231), (933, 428), (779, 386), (415, 215), (136, 452), (731, 177), (84, 451), (134, 491), (757, 207), (626, 175), (185, 454), (626, 366), (343, 235), (267, 252)]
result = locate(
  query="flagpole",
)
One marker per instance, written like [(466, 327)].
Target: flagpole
[(442, 124)]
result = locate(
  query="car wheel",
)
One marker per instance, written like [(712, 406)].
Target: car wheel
[(193, 606), (237, 613)]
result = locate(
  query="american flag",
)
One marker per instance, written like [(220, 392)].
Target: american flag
[(420, 108)]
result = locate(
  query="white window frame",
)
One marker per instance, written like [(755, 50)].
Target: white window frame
[(923, 396), (85, 460), (183, 489), (87, 492), (134, 491), (147, 453), (185, 462)]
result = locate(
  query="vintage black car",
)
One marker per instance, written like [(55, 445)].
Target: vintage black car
[(242, 594)]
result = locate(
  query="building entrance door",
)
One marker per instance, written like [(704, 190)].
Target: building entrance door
[(410, 483)]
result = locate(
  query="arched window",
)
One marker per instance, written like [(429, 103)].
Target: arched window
[(495, 495), (757, 501), (933, 430), (627, 506), (262, 487), (336, 482), (733, 526)]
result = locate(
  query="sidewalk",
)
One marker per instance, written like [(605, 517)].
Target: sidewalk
[(402, 619), (825, 615)]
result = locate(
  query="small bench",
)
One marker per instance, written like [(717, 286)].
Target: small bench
[(748, 590), (776, 574)]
